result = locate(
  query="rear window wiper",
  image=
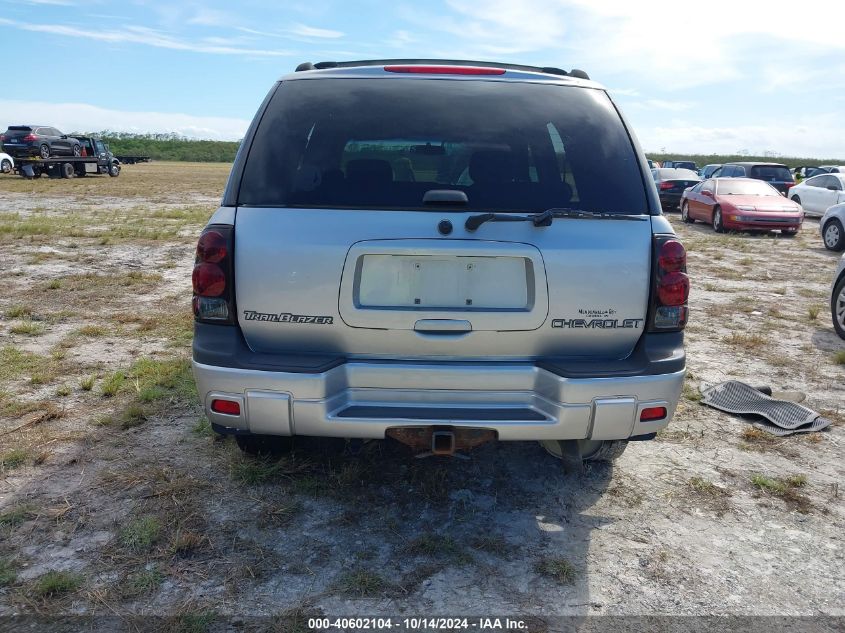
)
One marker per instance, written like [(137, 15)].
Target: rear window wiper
[(544, 218)]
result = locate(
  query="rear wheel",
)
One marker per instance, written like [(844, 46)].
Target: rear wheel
[(718, 226), (789, 232), (837, 307), (264, 444), (67, 170), (834, 236), (44, 151), (685, 213), (6, 166), (591, 450)]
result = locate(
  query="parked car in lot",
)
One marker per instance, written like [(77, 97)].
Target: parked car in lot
[(681, 164), (777, 175), (7, 163), (740, 204), (837, 299), (410, 250), (38, 140), (831, 229), (671, 183), (707, 170), (817, 194), (832, 169)]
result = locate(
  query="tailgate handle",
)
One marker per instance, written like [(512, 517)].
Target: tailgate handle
[(443, 326)]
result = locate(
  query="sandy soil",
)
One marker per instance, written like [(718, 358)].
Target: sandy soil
[(141, 510)]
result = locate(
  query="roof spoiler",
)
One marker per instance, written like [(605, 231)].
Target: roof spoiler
[(549, 70)]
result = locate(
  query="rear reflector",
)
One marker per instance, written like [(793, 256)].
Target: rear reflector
[(445, 70), (209, 280), (652, 413), (226, 407)]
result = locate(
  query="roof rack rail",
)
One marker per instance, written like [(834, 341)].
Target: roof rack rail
[(549, 70)]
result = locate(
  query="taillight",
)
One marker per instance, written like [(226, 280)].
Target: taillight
[(666, 185), (670, 293), (213, 276), (650, 414), (2, 137), (227, 407), (446, 70), (30, 137)]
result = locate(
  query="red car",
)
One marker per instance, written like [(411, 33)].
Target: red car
[(740, 203)]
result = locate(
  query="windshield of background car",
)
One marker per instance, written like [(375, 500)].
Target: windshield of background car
[(745, 188), (383, 143), (771, 174), (678, 174)]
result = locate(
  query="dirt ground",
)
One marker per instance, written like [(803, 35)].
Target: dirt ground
[(117, 499)]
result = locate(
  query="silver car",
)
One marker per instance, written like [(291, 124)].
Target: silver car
[(831, 227), (433, 251), (837, 299)]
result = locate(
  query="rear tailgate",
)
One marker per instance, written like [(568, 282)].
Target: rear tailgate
[(358, 284)]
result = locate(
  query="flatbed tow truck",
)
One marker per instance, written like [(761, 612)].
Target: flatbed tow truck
[(96, 159)]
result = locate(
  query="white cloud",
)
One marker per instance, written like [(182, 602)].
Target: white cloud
[(310, 31), (145, 36), (796, 139), (82, 117), (210, 17)]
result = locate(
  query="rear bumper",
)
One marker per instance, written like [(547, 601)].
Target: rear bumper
[(520, 400), (671, 200)]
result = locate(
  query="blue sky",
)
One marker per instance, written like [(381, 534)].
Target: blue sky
[(691, 77)]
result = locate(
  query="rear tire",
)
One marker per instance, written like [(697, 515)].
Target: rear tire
[(834, 236), (6, 166), (67, 170), (44, 151), (264, 445), (591, 450), (685, 214), (837, 307), (718, 225)]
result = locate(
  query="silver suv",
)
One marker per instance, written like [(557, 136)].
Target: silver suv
[(443, 253)]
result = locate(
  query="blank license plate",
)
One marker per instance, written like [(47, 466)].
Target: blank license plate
[(444, 282)]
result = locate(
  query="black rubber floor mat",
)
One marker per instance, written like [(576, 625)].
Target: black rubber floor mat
[(780, 417)]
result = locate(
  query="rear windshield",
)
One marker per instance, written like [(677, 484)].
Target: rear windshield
[(677, 174), (382, 144), (731, 187), (771, 174)]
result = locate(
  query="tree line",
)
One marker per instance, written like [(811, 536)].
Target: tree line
[(170, 147)]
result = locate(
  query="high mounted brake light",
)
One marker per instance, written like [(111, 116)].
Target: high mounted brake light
[(670, 290), (445, 70), (212, 277)]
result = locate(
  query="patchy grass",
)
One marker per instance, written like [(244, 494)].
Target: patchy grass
[(91, 331), (494, 544), (558, 569), (14, 363), (14, 458), (438, 546), (361, 583), (87, 383), (7, 573), (691, 393), (141, 583), (202, 428), (839, 357), (17, 515), (813, 313), (134, 415), (19, 311), (112, 384), (747, 342), (787, 488), (27, 328), (55, 583), (141, 534)]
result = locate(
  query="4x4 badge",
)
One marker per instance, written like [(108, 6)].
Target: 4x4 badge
[(286, 317)]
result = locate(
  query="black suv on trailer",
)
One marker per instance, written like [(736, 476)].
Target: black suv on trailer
[(38, 140)]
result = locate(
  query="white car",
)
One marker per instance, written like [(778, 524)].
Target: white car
[(817, 194), (837, 299), (7, 163), (831, 227)]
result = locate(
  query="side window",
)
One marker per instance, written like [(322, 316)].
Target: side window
[(698, 187), (815, 181), (707, 185), (53, 131), (42, 131), (833, 181), (739, 172), (100, 147), (727, 171)]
